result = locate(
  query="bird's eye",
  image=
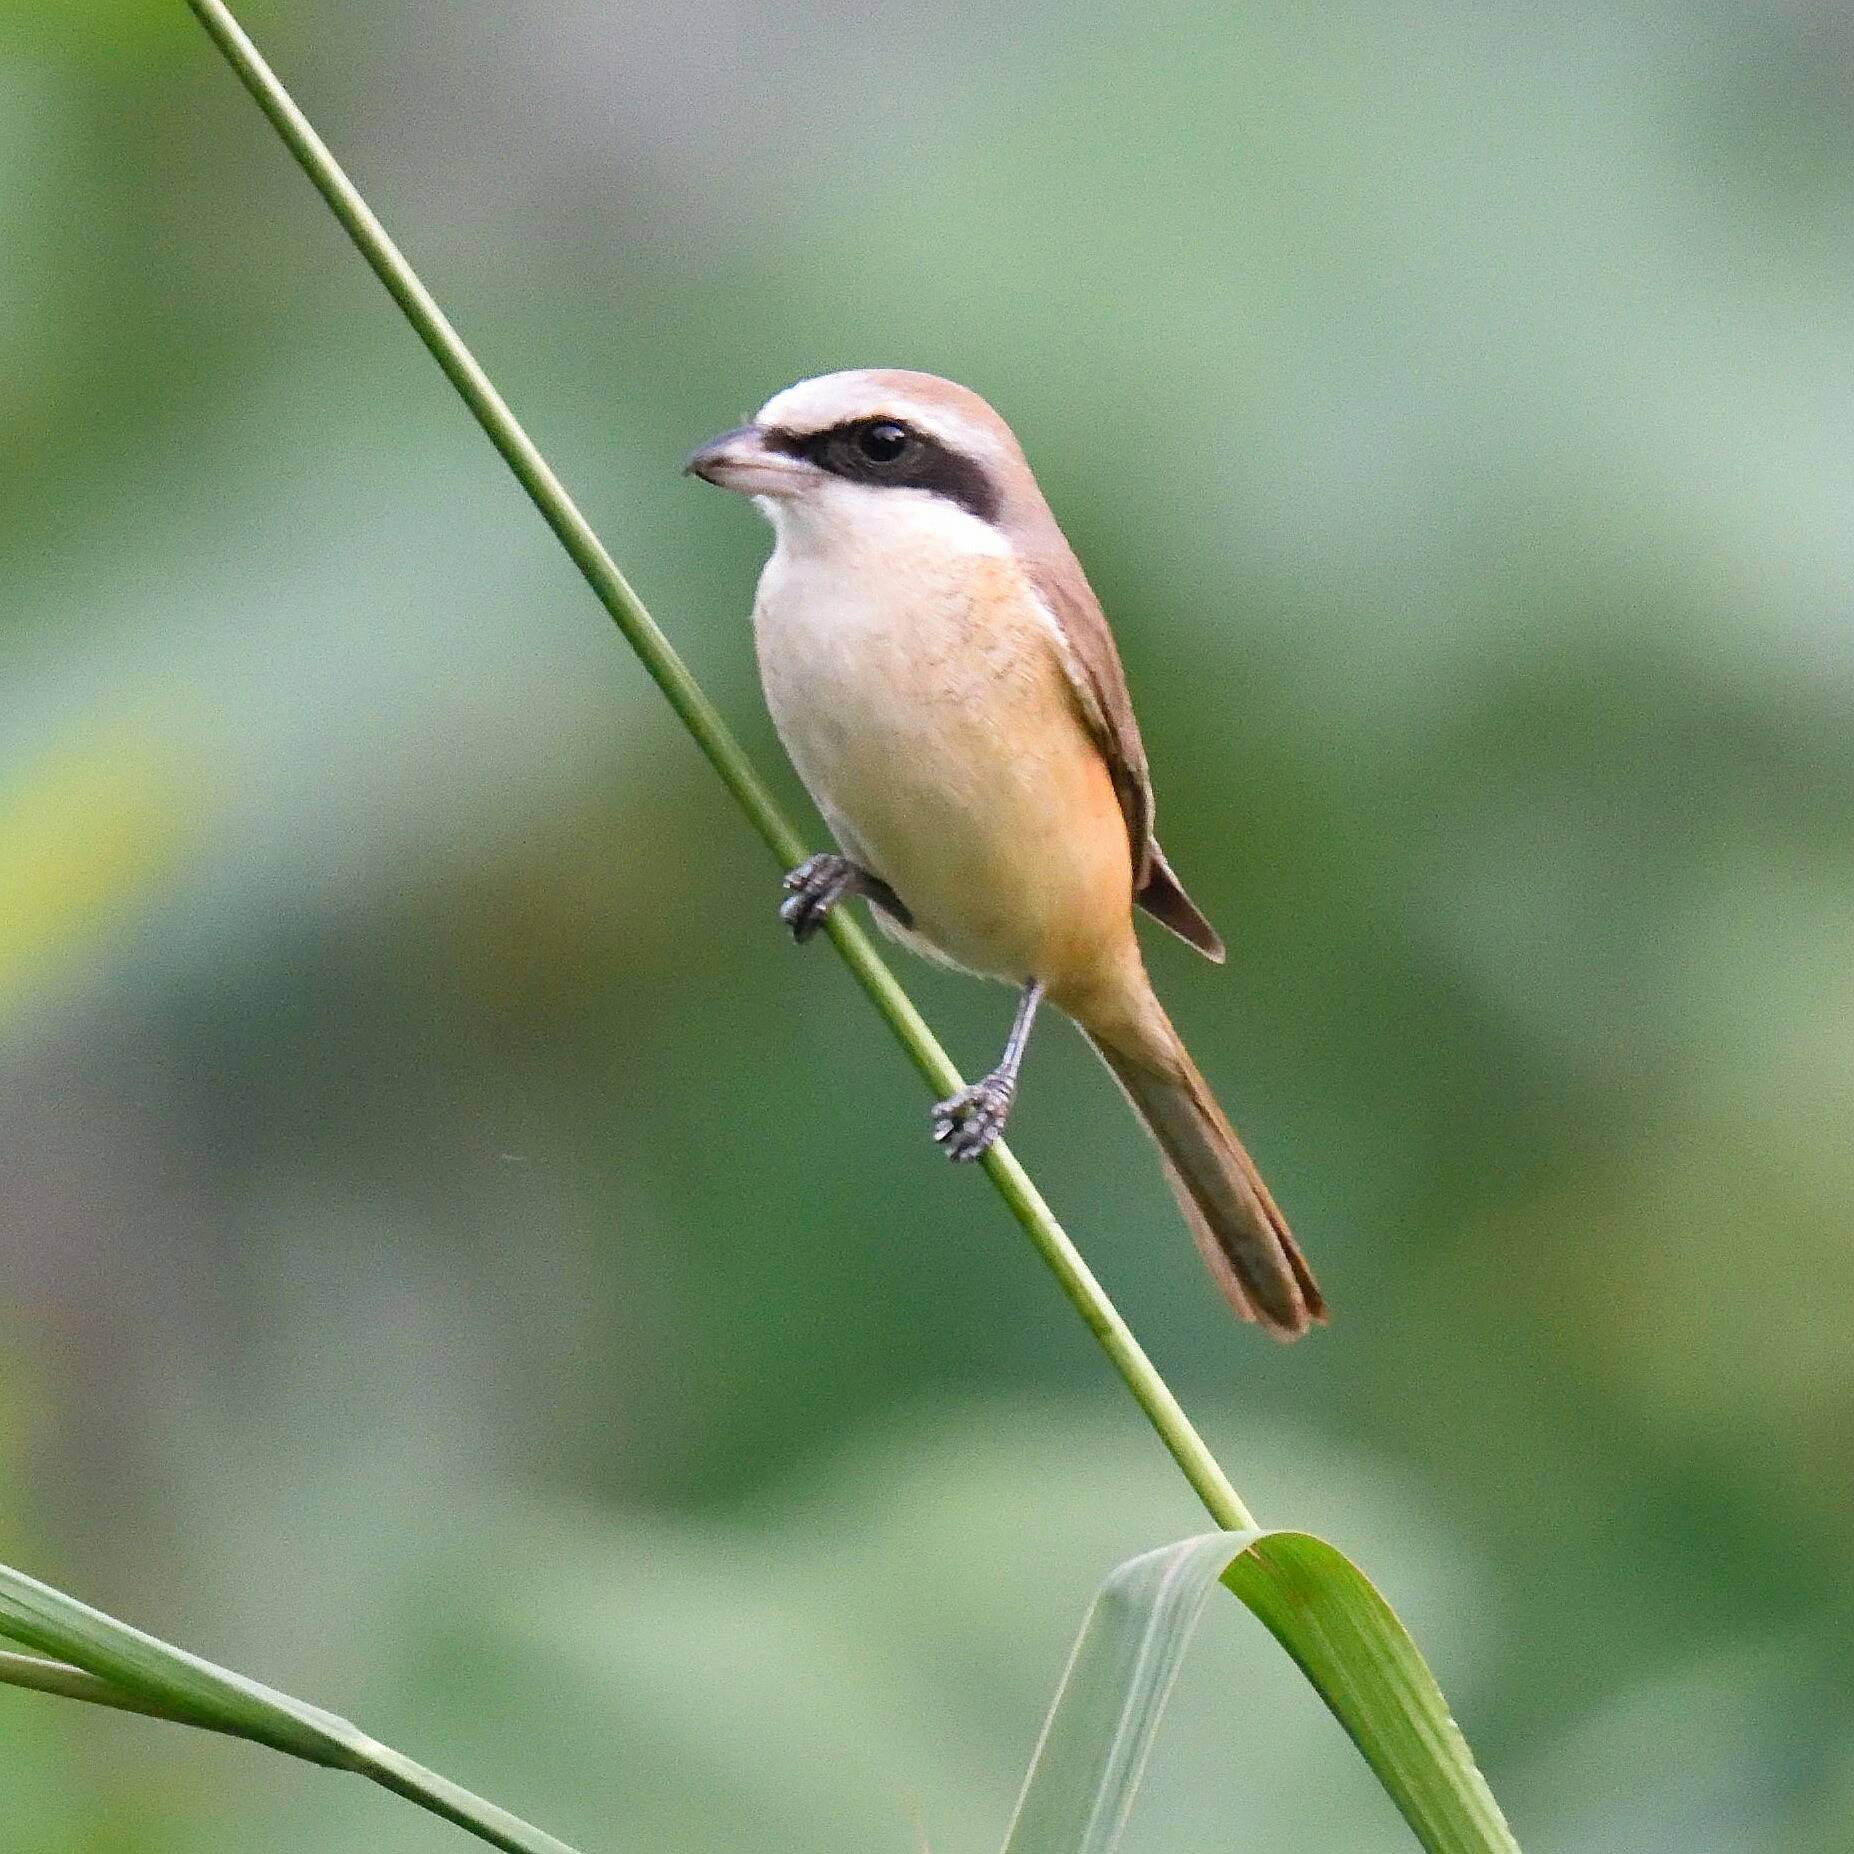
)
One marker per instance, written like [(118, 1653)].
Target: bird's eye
[(882, 440)]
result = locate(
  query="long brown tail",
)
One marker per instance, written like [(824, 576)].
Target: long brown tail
[(1240, 1232)]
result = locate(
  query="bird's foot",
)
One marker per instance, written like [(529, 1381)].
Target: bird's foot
[(968, 1123), (812, 890)]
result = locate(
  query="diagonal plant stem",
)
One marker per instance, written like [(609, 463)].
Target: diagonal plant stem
[(717, 741), (81, 1653), (390, 1769), (35, 1674)]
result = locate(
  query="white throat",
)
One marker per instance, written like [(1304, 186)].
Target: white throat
[(861, 526)]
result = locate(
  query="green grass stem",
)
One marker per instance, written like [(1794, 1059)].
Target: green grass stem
[(725, 753)]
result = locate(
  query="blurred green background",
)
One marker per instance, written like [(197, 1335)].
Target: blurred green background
[(461, 1264)]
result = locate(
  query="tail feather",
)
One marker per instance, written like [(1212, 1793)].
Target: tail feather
[(1240, 1231)]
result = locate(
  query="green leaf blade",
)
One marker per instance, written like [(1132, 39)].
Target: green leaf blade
[(109, 1663), (1339, 1630), (1351, 1645), (167, 1678)]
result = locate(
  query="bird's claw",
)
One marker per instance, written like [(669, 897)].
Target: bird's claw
[(967, 1124), (812, 890)]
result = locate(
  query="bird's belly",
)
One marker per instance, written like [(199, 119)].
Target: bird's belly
[(942, 743)]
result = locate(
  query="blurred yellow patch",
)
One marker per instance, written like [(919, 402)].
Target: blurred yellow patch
[(85, 834)]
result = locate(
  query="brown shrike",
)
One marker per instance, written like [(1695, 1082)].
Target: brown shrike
[(949, 691)]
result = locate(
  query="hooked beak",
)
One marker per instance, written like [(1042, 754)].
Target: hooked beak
[(743, 461)]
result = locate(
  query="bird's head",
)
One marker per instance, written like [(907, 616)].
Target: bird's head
[(872, 449)]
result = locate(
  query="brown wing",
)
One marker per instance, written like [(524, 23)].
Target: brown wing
[(1164, 898), (1093, 664), (1092, 661)]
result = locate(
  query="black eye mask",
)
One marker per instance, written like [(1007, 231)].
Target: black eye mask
[(885, 453)]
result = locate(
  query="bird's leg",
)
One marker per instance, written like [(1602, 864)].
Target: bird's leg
[(967, 1125), (820, 882)]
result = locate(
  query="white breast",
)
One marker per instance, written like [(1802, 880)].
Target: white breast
[(912, 675), (864, 630)]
